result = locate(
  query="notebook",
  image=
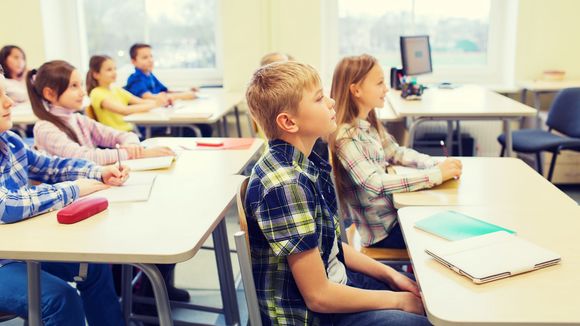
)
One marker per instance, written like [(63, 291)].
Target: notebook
[(454, 226), (492, 256), (137, 188), (152, 163)]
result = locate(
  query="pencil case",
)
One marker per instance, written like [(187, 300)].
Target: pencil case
[(82, 209)]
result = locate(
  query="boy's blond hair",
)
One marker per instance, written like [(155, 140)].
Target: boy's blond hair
[(277, 88)]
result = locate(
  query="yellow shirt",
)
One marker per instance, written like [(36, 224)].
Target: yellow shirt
[(106, 117)]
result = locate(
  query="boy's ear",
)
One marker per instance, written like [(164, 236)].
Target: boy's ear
[(354, 90), (49, 94), (286, 122)]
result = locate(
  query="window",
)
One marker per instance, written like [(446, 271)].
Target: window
[(470, 40), (182, 33), (458, 29)]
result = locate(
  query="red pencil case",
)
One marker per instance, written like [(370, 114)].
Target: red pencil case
[(81, 210)]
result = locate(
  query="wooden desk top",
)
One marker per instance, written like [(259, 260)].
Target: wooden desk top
[(545, 297)]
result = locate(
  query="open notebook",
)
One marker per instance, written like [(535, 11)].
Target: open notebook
[(137, 188), (153, 163)]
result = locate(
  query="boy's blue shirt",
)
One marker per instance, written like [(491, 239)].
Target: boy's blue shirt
[(140, 83)]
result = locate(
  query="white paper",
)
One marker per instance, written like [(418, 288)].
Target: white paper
[(137, 188), (153, 163)]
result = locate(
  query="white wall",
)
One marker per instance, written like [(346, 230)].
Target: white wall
[(547, 38), (546, 34), (21, 24)]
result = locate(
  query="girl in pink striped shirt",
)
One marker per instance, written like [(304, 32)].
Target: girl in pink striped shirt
[(56, 95)]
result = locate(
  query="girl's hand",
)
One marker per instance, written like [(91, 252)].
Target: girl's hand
[(134, 150), (158, 151), (113, 176)]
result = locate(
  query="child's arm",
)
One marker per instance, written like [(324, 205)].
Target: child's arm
[(17, 205), (324, 296), (399, 155), (105, 136), (373, 178), (136, 105), (182, 96), (53, 169), (361, 263), (286, 218), (54, 141), (25, 202)]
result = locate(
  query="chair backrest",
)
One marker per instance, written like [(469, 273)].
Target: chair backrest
[(564, 115), (244, 259), (90, 112), (345, 221), (240, 199)]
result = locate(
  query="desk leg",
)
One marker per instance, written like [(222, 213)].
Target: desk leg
[(508, 137), (449, 140), (523, 96), (413, 123), (225, 126), (538, 107), (147, 132), (225, 274), (237, 112), (127, 291), (160, 292), (459, 139), (34, 312)]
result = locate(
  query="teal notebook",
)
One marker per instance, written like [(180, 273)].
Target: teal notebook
[(453, 226)]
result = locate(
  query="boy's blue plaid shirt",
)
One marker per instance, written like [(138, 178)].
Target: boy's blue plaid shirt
[(291, 207)]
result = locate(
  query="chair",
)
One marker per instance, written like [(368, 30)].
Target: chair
[(563, 117), (90, 112), (384, 255), (4, 316), (244, 259)]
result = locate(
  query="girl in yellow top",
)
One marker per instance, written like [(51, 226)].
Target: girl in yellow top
[(112, 103)]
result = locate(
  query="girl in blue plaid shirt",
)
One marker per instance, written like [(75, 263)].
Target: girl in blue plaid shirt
[(61, 182)]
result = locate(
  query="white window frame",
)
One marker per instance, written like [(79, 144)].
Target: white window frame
[(65, 39), (499, 69)]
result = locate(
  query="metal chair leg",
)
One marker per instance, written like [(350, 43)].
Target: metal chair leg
[(539, 166), (552, 165)]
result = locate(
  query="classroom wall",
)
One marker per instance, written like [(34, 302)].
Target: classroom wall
[(252, 28), (547, 38), (21, 24), (546, 34)]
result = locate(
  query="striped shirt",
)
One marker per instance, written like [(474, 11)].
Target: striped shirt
[(365, 155), (19, 163), (96, 141)]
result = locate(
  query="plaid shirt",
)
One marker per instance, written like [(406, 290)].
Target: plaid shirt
[(291, 207), (18, 164), (365, 155)]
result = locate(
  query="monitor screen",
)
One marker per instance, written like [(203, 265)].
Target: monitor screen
[(416, 55)]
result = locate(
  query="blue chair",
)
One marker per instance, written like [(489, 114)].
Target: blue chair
[(563, 117)]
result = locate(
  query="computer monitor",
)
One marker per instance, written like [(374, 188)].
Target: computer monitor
[(416, 55)]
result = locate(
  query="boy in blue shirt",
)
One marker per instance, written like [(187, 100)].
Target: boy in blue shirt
[(304, 274), (143, 83)]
